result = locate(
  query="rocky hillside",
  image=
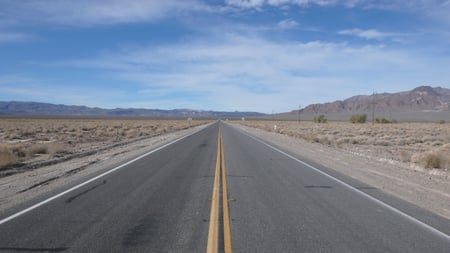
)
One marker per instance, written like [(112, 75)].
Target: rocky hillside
[(423, 103)]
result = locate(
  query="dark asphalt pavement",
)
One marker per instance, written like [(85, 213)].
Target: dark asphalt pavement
[(281, 205), (157, 204), (161, 203)]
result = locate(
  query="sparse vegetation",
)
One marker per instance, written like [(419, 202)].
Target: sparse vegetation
[(358, 118), (25, 140), (425, 144), (385, 121), (320, 119), (432, 160), (405, 156), (7, 157), (38, 149)]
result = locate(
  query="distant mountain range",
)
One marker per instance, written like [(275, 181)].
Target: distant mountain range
[(44, 109), (423, 103)]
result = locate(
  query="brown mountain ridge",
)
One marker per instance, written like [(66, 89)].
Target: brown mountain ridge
[(424, 103)]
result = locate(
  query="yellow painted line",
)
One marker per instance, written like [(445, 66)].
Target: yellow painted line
[(226, 213), (213, 234)]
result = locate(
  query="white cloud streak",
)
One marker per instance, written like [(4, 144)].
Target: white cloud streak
[(236, 72), (433, 9), (7, 37), (251, 73), (287, 24), (260, 3), (370, 34), (95, 12), (109, 12), (379, 4)]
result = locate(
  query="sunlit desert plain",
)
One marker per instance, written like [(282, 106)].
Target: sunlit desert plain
[(423, 144), (25, 141)]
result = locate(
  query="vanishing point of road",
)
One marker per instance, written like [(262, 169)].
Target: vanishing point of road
[(221, 190)]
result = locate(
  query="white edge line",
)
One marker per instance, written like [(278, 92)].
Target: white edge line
[(387, 206), (11, 217)]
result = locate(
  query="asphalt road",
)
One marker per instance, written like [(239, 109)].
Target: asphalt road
[(282, 205), (162, 203)]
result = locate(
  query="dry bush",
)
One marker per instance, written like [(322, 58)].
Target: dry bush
[(19, 150), (344, 140), (431, 160), (438, 158), (382, 143), (358, 118), (131, 133), (7, 157), (55, 149), (320, 119), (38, 149), (28, 137), (405, 156), (389, 141), (27, 133)]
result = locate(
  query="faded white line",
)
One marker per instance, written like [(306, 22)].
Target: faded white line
[(93, 179), (387, 206)]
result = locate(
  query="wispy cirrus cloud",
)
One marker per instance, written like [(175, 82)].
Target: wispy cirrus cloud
[(433, 9), (101, 12), (7, 37), (379, 4), (374, 34), (95, 12), (240, 59), (226, 73), (287, 24), (260, 3), (366, 34)]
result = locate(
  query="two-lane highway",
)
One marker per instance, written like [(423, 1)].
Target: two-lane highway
[(166, 202)]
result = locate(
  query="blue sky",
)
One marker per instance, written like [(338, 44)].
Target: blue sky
[(246, 55)]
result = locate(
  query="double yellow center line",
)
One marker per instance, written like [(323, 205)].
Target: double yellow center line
[(214, 223)]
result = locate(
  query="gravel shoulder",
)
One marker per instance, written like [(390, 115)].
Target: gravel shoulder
[(429, 189), (21, 188)]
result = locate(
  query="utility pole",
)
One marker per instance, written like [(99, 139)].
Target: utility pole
[(315, 108), (299, 108), (373, 108)]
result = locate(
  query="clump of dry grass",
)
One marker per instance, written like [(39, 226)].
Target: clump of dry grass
[(37, 139), (432, 160), (7, 157), (405, 156), (426, 144), (55, 149), (438, 158), (12, 154), (39, 149)]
